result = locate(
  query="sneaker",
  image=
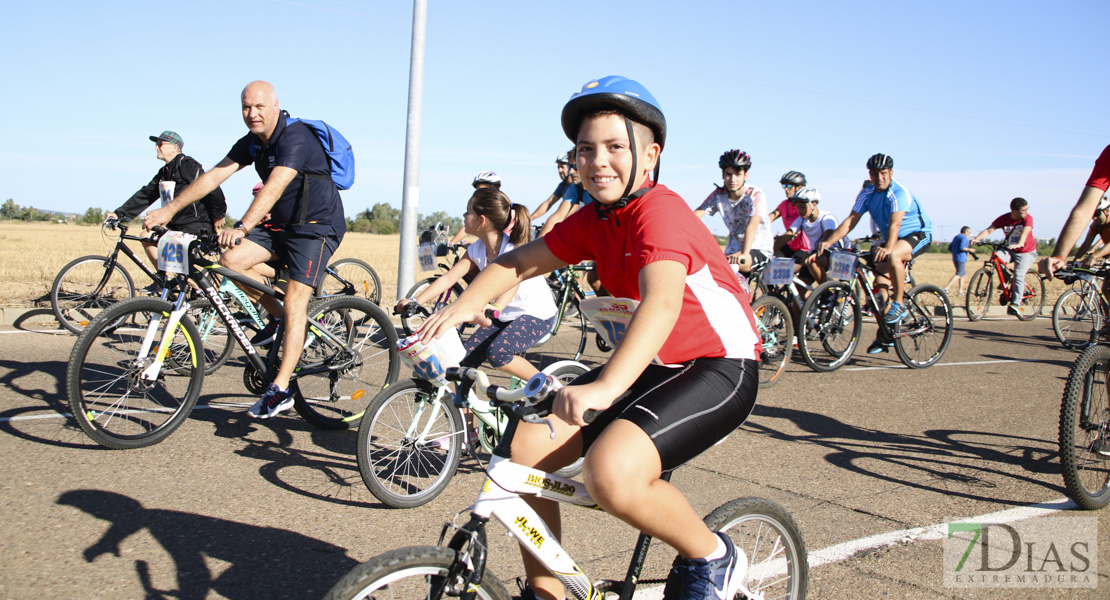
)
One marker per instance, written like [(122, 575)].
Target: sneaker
[(701, 579), (877, 347), (265, 336), (274, 401), (154, 289), (895, 313), (1101, 446), (1013, 309)]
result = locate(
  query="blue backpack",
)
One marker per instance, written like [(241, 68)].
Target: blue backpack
[(338, 149)]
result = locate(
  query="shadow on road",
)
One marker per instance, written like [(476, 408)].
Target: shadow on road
[(49, 423), (264, 562), (953, 462)]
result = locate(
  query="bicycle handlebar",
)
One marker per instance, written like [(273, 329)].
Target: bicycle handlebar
[(541, 388)]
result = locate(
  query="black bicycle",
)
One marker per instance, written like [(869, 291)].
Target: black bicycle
[(137, 370)]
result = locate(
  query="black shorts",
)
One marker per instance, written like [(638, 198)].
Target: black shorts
[(303, 253), (684, 410), (758, 257), (919, 242)]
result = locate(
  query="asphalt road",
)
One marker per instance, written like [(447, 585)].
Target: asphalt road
[(228, 507)]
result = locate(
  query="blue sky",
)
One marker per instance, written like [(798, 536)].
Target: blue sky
[(977, 102)]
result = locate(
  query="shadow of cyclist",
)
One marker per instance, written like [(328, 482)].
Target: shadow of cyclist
[(265, 562)]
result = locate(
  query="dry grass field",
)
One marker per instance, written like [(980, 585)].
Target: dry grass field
[(31, 254)]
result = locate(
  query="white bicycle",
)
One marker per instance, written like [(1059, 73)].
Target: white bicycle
[(767, 535)]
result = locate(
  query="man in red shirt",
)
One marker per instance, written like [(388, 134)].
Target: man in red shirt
[(1017, 226)]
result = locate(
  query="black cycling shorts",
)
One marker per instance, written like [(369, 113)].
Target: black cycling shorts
[(684, 410)]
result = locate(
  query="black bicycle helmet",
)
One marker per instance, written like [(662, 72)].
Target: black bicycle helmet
[(735, 159), (793, 178), (880, 162)]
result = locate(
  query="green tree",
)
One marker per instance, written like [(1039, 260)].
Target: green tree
[(92, 216), (9, 210), (427, 222)]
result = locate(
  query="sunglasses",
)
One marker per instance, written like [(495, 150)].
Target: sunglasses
[(787, 186)]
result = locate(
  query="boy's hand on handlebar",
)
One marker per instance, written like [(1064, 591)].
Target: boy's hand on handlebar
[(822, 247), (574, 400), (449, 316)]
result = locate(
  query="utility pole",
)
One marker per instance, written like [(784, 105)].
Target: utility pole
[(410, 198)]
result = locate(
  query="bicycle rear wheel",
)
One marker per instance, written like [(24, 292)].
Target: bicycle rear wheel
[(1032, 301), (350, 277), (979, 290), (1085, 429), (414, 572), (109, 399), (772, 543), (214, 335), (409, 444), (928, 326), (84, 288), (830, 325), (776, 331), (335, 396), (1077, 317)]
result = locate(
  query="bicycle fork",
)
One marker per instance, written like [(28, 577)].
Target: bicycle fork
[(151, 373)]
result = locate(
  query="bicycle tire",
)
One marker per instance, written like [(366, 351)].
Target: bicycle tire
[(409, 573), (409, 444), (370, 362), (108, 401), (214, 335), (567, 373), (1032, 302), (350, 277), (776, 331), (1077, 316), (411, 323), (77, 296), (772, 542), (980, 288), (831, 316), (929, 314), (1085, 430)]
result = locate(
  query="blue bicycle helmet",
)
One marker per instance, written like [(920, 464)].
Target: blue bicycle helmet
[(630, 99)]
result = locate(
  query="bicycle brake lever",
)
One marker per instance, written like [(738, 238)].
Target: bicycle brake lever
[(533, 419)]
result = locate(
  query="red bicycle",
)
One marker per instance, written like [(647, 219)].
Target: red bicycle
[(980, 289)]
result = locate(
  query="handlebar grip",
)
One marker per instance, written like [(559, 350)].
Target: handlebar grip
[(590, 415), (492, 314)]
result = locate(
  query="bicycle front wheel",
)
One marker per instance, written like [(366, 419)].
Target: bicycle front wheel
[(772, 543), (927, 328), (350, 277), (410, 323), (339, 372), (979, 290), (84, 288), (1085, 430), (830, 325), (409, 444), (110, 398), (776, 332), (1077, 317), (414, 572), (1032, 301)]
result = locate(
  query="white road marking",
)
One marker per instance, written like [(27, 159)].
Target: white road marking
[(952, 364), (69, 415)]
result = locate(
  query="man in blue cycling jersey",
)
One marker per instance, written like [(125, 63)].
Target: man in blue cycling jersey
[(905, 231)]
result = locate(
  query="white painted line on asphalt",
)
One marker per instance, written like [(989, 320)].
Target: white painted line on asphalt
[(68, 415), (50, 331), (952, 364)]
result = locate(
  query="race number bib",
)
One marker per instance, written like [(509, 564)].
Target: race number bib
[(610, 318), (427, 254), (779, 271), (841, 265), (173, 252), (1015, 235)]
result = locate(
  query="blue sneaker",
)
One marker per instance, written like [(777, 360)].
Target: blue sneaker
[(700, 579), (877, 347), (274, 401), (895, 313)]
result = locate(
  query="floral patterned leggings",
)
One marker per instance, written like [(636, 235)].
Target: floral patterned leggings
[(503, 340)]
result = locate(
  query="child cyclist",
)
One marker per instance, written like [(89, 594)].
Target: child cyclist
[(744, 210), (526, 311), (667, 393)]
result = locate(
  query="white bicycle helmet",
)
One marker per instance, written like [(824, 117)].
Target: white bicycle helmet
[(807, 194), (487, 177)]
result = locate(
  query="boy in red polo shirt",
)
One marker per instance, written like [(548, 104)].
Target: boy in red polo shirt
[(688, 385), (1017, 226)]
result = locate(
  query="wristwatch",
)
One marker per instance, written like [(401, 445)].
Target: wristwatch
[(239, 225)]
